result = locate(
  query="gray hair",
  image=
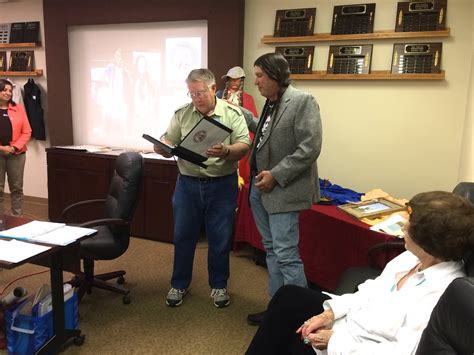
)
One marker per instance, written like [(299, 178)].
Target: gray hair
[(204, 75)]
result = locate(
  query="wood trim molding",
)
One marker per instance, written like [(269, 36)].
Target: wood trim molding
[(225, 40)]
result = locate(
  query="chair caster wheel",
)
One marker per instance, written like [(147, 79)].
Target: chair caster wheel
[(126, 299), (121, 280), (79, 340)]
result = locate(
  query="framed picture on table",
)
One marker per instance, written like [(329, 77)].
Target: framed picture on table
[(372, 208)]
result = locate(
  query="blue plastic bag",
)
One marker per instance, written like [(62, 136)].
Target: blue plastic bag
[(27, 334)]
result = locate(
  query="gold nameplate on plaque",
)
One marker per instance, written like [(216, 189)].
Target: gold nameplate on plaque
[(294, 22), (21, 61)]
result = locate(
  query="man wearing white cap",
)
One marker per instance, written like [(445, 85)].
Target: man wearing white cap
[(234, 94)]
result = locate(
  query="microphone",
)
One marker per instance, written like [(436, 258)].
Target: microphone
[(16, 294)]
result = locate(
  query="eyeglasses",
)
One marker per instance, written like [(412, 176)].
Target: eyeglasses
[(198, 94)]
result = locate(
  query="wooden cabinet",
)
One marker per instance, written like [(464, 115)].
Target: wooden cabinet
[(377, 35), (74, 176)]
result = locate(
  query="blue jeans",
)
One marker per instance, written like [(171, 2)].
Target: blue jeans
[(211, 204), (280, 237)]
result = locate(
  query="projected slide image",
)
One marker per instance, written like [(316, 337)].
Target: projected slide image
[(124, 88)]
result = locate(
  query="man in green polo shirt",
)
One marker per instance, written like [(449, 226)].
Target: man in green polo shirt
[(205, 197)]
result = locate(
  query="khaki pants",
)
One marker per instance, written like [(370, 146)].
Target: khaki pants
[(13, 167)]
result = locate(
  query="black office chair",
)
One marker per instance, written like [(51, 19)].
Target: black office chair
[(451, 326), (377, 256), (113, 227)]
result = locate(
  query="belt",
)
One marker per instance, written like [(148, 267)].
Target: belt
[(206, 179)]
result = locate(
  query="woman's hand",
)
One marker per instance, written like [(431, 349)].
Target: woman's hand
[(6, 150), (317, 329), (320, 339)]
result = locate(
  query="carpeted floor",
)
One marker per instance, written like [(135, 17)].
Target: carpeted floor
[(147, 325)]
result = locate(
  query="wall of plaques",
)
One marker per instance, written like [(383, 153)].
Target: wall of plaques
[(17, 43), (414, 59)]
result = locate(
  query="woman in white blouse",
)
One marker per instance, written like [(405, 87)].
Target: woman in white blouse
[(386, 315)]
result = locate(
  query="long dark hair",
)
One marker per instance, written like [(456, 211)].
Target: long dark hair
[(276, 67)]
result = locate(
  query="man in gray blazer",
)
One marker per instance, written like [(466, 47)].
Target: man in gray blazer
[(284, 174)]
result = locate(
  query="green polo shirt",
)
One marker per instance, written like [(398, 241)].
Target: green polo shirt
[(186, 117)]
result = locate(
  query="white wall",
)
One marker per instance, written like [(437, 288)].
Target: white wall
[(404, 137), (35, 180), (466, 168), (401, 136)]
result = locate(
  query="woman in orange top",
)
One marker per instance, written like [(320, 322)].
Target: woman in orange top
[(15, 132)]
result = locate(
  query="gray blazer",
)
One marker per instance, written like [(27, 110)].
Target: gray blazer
[(289, 150)]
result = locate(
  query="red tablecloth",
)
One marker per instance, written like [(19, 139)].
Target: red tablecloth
[(330, 240)]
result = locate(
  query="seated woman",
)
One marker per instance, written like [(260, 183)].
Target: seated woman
[(386, 315)]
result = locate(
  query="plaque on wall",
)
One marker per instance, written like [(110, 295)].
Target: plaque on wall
[(4, 33), (3, 61), (294, 22), (300, 59), (353, 19), (17, 30), (420, 58), (421, 16), (31, 33), (21, 60), (350, 59)]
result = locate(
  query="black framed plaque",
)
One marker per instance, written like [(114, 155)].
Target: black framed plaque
[(17, 30), (417, 16), (300, 59), (294, 22), (353, 19), (420, 58), (31, 33), (3, 61), (4, 33), (350, 59), (21, 60)]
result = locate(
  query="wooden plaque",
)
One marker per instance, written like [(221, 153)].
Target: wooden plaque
[(417, 16), (300, 59), (4, 33), (420, 58), (17, 30), (3, 61), (294, 22), (350, 59), (21, 60), (31, 34), (353, 19)]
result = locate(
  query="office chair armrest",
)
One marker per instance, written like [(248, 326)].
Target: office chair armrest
[(111, 222), (74, 206), (394, 246)]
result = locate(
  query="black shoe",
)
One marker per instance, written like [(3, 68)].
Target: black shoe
[(256, 318)]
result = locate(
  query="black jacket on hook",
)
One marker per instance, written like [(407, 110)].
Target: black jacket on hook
[(32, 98)]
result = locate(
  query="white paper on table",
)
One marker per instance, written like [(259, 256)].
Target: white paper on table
[(392, 225), (29, 230), (64, 235), (15, 251)]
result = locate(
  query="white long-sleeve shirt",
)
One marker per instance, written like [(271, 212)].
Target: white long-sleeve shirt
[(379, 319)]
